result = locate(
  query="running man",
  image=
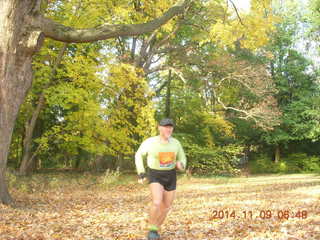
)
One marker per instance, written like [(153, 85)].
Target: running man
[(164, 155)]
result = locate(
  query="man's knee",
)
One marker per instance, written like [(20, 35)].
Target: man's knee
[(156, 204)]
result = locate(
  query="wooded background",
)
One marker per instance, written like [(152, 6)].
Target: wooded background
[(241, 85)]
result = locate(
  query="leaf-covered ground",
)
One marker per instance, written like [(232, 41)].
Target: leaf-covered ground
[(264, 207)]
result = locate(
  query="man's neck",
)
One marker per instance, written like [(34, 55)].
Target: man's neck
[(163, 139)]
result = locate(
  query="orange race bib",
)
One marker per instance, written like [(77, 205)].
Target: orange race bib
[(166, 159)]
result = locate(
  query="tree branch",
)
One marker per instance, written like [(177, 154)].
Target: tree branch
[(146, 44), (160, 88), (156, 69), (63, 33), (235, 8)]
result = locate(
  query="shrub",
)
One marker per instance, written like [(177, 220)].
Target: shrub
[(217, 160), (293, 163), (262, 164), (312, 164)]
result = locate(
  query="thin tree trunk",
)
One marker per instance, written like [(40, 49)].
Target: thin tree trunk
[(168, 96), (277, 154), (18, 43), (27, 161), (133, 49), (97, 164)]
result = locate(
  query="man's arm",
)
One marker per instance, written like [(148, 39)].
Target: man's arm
[(181, 159), (139, 156)]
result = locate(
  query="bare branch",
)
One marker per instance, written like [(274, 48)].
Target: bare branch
[(153, 70), (171, 49), (264, 110), (146, 44), (133, 48), (225, 107), (179, 73), (143, 50), (235, 8)]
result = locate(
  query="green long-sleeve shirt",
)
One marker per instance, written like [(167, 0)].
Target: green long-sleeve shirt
[(160, 156)]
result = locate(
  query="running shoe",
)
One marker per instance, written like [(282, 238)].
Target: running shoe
[(153, 235)]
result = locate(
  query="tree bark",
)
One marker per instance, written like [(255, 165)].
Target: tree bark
[(26, 162), (63, 33), (18, 43), (133, 49)]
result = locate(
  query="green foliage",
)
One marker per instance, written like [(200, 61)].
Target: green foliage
[(293, 163), (301, 162), (73, 106), (88, 112), (314, 6), (312, 164), (99, 116), (298, 91), (211, 160), (98, 104), (130, 110), (262, 164), (255, 25), (11, 178)]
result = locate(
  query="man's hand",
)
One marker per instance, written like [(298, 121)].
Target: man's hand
[(179, 166), (142, 178)]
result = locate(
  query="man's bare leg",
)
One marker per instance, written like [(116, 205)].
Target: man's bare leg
[(168, 197), (157, 193)]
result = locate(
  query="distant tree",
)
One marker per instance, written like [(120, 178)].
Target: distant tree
[(296, 83)]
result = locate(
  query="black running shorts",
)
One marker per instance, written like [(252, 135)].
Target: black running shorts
[(167, 178)]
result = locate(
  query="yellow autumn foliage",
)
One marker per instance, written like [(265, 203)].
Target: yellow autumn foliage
[(131, 109), (251, 29)]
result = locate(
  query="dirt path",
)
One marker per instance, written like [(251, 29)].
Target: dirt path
[(257, 208)]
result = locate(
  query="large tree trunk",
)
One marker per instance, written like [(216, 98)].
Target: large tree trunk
[(18, 44)]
